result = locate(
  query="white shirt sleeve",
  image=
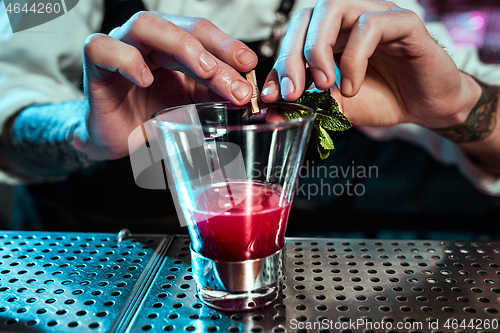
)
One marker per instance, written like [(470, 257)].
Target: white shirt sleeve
[(43, 65), (441, 149), (248, 20)]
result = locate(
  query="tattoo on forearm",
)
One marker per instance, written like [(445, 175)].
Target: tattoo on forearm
[(37, 142), (481, 120)]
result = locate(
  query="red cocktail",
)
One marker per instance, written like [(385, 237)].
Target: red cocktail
[(233, 178), (252, 227)]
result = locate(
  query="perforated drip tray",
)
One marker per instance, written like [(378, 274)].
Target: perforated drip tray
[(60, 282), (69, 282)]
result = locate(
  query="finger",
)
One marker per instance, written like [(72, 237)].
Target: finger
[(233, 56), (270, 91), (226, 82), (290, 65), (105, 54), (171, 47), (229, 50), (149, 32), (274, 116), (322, 34), (328, 31), (370, 31), (203, 94)]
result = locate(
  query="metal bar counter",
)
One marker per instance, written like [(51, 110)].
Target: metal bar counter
[(76, 282)]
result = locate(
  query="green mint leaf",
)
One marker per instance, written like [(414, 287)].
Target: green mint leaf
[(323, 153), (337, 123), (291, 114), (328, 115), (318, 99), (324, 138)]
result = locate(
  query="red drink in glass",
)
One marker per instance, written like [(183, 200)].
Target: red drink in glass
[(215, 161), (243, 220)]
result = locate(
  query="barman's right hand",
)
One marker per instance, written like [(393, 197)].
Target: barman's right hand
[(152, 62), (392, 70)]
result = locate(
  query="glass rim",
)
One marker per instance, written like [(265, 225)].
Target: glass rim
[(250, 127)]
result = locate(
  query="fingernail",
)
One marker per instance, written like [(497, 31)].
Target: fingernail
[(345, 86), (245, 56), (320, 78), (240, 90), (269, 88), (207, 62), (287, 86), (146, 77)]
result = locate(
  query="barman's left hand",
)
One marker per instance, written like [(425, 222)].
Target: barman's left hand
[(392, 70)]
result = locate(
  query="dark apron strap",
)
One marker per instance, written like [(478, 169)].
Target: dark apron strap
[(267, 50), (117, 12)]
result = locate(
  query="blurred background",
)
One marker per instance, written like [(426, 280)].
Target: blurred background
[(470, 22), (5, 205), (391, 212), (413, 197)]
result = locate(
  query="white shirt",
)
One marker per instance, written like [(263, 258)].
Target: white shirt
[(43, 65)]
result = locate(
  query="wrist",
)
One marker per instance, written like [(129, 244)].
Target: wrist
[(37, 142), (475, 117), (86, 142), (85, 148), (79, 140)]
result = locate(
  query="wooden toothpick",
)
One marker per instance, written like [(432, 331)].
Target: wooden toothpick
[(253, 108)]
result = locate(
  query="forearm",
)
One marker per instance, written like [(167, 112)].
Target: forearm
[(479, 135), (37, 143)]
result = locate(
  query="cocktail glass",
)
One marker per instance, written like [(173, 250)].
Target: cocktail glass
[(233, 179)]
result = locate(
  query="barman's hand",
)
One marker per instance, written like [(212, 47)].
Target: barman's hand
[(152, 62), (392, 71)]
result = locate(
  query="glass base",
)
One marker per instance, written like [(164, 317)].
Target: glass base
[(238, 285), (239, 301)]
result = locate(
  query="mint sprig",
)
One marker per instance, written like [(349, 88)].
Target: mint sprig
[(328, 116)]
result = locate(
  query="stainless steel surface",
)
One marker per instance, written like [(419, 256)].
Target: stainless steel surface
[(418, 285), (68, 282), (63, 282)]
